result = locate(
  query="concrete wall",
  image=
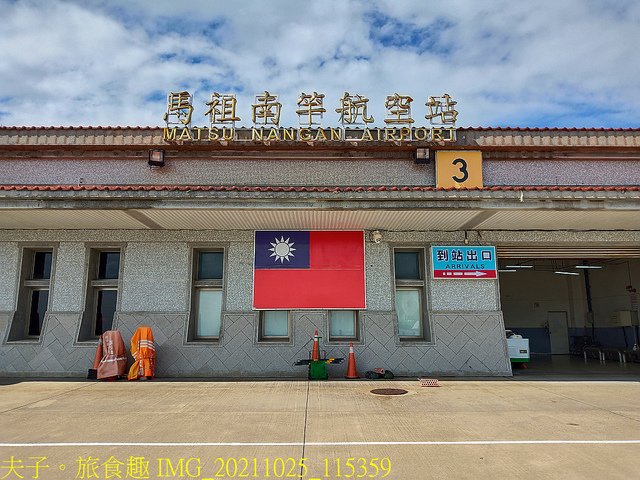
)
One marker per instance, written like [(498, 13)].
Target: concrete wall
[(226, 171), (560, 172), (206, 169), (464, 316)]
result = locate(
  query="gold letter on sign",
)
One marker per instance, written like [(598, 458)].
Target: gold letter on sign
[(458, 169)]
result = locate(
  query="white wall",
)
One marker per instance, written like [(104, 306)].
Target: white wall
[(527, 295), (608, 287)]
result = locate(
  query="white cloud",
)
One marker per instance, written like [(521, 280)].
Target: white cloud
[(509, 63)]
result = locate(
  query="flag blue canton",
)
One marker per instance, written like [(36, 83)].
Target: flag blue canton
[(282, 249)]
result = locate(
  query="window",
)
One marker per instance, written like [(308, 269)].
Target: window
[(343, 325), (208, 273), (274, 326), (410, 286), (33, 296), (102, 293)]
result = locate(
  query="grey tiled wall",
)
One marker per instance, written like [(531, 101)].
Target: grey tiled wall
[(464, 344), (55, 354), (465, 321)]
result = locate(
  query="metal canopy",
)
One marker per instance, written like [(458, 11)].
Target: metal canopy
[(256, 218)]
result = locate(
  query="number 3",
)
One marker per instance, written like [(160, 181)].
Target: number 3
[(463, 169)]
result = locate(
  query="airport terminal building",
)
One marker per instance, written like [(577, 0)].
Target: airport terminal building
[(116, 227)]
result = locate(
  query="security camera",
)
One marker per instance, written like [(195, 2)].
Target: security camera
[(376, 236)]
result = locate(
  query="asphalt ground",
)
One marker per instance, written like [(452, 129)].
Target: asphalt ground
[(503, 428)]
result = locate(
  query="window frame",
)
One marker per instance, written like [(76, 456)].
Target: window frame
[(87, 327), (205, 284), (94, 304), (344, 339), (262, 338), (421, 285), (19, 328)]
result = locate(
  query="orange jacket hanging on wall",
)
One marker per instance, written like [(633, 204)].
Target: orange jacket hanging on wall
[(144, 354)]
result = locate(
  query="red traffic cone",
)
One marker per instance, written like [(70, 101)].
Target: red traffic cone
[(351, 366), (315, 351)]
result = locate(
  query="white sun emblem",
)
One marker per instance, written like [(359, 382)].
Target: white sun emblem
[(282, 249)]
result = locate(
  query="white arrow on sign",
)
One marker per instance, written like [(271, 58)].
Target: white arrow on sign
[(474, 274)]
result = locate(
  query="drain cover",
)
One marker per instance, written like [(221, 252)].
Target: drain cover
[(389, 391)]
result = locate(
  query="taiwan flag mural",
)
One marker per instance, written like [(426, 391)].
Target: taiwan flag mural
[(309, 270)]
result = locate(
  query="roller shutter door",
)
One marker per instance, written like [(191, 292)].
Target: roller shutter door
[(536, 251)]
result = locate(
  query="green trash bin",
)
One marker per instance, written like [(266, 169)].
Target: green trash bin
[(318, 370)]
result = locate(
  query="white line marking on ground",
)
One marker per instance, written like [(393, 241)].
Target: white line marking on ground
[(317, 444)]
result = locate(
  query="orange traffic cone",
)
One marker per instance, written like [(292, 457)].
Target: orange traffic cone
[(315, 351), (351, 366)]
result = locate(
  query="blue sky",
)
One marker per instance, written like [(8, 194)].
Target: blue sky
[(569, 63)]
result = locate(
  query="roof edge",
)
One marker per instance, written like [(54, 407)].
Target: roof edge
[(478, 128), (324, 189)]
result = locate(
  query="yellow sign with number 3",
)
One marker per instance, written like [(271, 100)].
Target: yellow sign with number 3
[(458, 169)]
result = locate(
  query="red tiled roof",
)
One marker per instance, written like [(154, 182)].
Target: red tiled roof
[(553, 129), (312, 189), (80, 127), (479, 128)]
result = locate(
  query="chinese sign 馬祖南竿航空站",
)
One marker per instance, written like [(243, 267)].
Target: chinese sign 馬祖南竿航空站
[(352, 112)]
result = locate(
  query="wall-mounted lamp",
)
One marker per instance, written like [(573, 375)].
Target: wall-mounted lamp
[(376, 236), (156, 158), (423, 156)]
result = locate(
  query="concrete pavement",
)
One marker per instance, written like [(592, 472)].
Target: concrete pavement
[(465, 429)]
